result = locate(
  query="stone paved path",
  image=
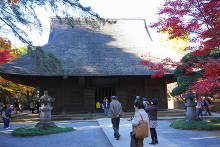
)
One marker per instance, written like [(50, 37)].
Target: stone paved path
[(168, 137), (93, 134), (188, 138), (88, 134)]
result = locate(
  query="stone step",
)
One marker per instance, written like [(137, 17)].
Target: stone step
[(35, 117), (92, 115), (100, 114)]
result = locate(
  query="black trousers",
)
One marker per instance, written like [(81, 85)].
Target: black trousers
[(115, 125), (207, 110), (32, 110), (153, 134)]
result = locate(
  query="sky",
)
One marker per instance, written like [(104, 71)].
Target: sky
[(145, 9), (105, 8), (125, 8)]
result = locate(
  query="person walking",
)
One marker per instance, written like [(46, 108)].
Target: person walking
[(38, 106), (32, 106), (206, 103), (105, 106), (140, 115), (137, 98), (16, 106), (199, 104), (20, 105), (6, 115), (115, 112), (151, 109)]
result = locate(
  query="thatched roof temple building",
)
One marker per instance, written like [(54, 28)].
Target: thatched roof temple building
[(85, 62)]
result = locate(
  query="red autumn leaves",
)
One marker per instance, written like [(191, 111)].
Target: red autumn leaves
[(200, 21)]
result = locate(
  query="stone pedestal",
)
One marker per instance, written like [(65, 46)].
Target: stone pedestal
[(45, 116), (190, 109)]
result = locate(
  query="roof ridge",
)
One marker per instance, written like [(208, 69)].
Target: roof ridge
[(137, 18)]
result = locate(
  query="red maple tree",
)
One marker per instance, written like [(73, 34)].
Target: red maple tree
[(200, 21), (5, 53)]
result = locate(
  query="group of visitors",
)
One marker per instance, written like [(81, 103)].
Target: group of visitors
[(145, 112), (18, 107), (104, 106), (34, 105), (202, 102)]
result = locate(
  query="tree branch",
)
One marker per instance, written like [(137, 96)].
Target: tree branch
[(12, 28)]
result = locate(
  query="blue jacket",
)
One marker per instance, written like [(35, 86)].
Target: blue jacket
[(105, 104), (8, 112)]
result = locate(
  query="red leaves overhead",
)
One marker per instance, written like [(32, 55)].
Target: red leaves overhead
[(159, 68), (198, 17), (212, 68), (200, 20), (209, 85)]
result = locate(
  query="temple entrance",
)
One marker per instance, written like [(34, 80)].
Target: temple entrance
[(101, 93)]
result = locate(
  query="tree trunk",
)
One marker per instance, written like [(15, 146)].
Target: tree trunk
[(190, 109)]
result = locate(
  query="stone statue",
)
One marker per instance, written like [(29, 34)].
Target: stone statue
[(190, 105), (45, 110), (46, 99)]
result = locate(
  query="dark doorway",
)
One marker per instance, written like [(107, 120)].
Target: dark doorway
[(102, 92)]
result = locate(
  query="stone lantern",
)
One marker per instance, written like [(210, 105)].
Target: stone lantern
[(45, 110), (190, 106)]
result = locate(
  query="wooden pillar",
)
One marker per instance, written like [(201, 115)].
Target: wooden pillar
[(164, 96)]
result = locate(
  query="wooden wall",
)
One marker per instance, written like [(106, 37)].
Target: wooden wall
[(77, 94)]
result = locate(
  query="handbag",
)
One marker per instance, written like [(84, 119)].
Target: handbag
[(141, 131)]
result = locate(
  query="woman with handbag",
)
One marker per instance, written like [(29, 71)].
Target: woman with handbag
[(140, 129)]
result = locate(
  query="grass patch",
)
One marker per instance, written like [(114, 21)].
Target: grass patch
[(215, 119), (194, 125), (36, 131)]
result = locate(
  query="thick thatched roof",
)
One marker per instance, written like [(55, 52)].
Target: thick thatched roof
[(85, 50)]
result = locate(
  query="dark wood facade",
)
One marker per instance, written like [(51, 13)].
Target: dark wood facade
[(79, 94)]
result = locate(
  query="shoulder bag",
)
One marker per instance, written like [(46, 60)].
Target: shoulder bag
[(141, 131)]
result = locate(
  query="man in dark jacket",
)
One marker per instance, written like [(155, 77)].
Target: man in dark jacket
[(115, 112)]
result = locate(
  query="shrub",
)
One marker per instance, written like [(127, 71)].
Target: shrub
[(194, 125), (215, 119), (35, 131)]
